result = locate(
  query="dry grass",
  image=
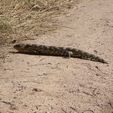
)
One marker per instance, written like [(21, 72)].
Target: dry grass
[(26, 19), (4, 26)]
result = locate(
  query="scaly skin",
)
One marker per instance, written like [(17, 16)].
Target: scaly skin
[(56, 51)]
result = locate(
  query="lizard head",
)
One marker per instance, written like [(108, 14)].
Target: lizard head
[(19, 47)]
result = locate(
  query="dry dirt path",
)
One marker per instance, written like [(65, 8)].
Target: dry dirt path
[(41, 84)]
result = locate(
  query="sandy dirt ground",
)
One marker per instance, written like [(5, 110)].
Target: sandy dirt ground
[(41, 84)]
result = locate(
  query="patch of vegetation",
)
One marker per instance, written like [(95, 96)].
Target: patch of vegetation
[(5, 30), (5, 26), (27, 19), (30, 18), (44, 4)]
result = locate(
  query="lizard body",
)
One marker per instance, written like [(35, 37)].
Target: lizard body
[(56, 51)]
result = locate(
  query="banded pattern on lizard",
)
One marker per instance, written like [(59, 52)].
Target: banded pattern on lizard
[(56, 51)]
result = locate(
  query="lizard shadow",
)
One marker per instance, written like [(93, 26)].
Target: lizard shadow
[(66, 56)]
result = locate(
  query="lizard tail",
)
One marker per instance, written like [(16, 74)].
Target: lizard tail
[(97, 59), (91, 57)]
